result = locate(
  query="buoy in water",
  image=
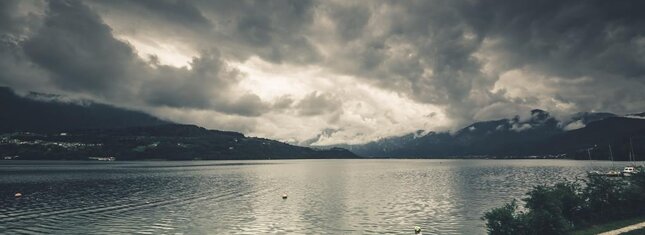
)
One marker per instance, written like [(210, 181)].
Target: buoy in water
[(417, 230), (284, 196), (18, 194)]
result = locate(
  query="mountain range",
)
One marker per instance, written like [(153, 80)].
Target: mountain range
[(42, 126), (541, 135)]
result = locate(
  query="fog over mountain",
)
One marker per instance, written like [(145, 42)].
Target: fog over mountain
[(349, 71), (537, 135)]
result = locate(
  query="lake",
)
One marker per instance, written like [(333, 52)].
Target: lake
[(244, 197)]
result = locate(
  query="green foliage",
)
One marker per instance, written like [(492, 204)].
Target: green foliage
[(604, 197), (553, 210), (563, 207), (635, 195), (504, 220)]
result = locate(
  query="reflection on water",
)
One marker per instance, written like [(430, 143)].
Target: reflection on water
[(325, 196)]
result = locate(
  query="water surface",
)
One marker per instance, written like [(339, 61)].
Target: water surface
[(244, 197)]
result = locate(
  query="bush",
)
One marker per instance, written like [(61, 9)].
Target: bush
[(562, 207), (555, 209), (504, 220), (604, 198), (635, 195)]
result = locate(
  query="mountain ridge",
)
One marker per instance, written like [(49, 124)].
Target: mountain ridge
[(540, 135), (88, 123), (48, 129)]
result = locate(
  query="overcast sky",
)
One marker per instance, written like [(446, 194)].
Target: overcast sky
[(353, 70)]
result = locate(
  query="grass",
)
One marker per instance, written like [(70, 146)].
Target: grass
[(595, 229)]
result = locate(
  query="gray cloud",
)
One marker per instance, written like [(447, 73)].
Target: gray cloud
[(272, 30), (319, 103), (80, 51), (598, 40), (568, 38), (17, 69), (8, 20), (181, 13), (82, 56), (475, 60)]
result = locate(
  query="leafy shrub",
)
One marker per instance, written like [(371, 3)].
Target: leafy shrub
[(553, 209), (604, 197), (565, 206), (504, 220)]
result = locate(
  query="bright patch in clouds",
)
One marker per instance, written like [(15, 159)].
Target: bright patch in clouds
[(165, 53), (327, 72), (270, 81), (363, 113)]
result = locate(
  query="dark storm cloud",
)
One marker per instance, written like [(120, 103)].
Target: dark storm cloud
[(282, 31), (7, 23), (601, 40), (426, 52), (80, 51), (475, 59), (206, 85), (15, 25), (273, 30), (429, 50), (81, 55), (180, 14), (353, 19), (569, 38)]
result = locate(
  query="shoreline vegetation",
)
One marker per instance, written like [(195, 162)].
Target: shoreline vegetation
[(584, 206)]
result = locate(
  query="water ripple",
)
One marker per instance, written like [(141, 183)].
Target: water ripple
[(325, 196)]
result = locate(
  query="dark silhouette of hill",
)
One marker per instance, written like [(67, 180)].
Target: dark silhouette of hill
[(597, 136), (45, 113)]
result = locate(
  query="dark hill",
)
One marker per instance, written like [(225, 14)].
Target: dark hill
[(597, 136), (167, 142), (33, 113)]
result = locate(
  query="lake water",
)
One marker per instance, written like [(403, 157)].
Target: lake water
[(244, 197)]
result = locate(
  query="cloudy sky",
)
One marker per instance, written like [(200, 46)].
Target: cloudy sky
[(353, 70)]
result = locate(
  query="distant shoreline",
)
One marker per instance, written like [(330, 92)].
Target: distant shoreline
[(281, 159)]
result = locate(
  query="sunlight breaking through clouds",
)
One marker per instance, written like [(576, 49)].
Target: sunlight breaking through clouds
[(355, 71), (163, 53), (362, 113)]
